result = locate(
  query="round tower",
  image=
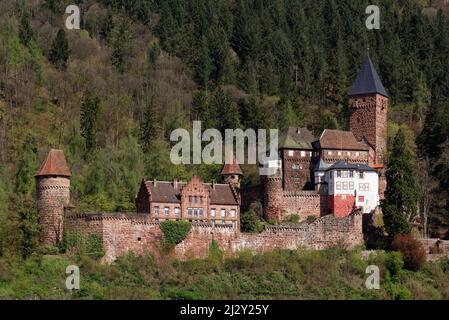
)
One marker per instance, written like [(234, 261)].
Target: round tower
[(53, 195), (231, 172), (273, 194)]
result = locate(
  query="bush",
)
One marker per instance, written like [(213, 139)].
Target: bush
[(412, 251), (394, 262), (175, 231), (215, 254), (293, 218), (91, 245), (311, 219), (249, 222), (47, 250)]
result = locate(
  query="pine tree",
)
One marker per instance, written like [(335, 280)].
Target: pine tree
[(149, 127), (28, 164), (400, 203), (59, 52), (25, 30), (88, 122)]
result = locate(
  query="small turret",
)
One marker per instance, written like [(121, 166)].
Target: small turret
[(231, 172), (53, 195)]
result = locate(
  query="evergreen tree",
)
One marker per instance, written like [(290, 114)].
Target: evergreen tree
[(149, 127), (228, 110), (400, 203), (28, 164), (59, 52), (88, 122), (25, 30)]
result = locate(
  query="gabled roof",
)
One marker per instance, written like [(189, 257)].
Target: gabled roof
[(296, 138), (231, 166), (340, 140), (343, 165), (367, 81), (165, 191), (54, 165)]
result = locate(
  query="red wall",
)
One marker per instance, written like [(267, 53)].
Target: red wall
[(341, 205)]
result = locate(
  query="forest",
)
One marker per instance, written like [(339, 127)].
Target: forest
[(111, 93)]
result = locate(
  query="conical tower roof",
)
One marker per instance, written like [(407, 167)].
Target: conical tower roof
[(54, 165), (367, 81), (231, 166)]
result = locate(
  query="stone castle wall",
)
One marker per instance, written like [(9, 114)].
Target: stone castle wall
[(53, 194), (122, 233)]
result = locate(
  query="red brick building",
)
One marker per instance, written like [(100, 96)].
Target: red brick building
[(294, 188), (194, 200)]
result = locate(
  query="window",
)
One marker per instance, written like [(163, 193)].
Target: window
[(290, 153), (351, 174), (156, 211), (195, 199), (223, 212), (339, 153), (361, 175), (361, 199), (232, 213), (351, 185), (166, 211), (190, 199), (364, 186), (348, 153), (357, 154), (345, 185), (303, 153), (190, 211), (295, 167), (338, 185), (212, 212), (329, 153), (223, 222), (200, 211), (195, 212), (176, 211), (338, 174), (201, 199), (344, 174)]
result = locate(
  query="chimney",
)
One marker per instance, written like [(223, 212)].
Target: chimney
[(175, 183)]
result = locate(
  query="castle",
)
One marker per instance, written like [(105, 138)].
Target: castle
[(334, 179)]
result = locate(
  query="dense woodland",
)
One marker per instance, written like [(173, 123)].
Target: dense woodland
[(111, 93)]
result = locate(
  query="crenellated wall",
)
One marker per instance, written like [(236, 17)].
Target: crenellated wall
[(133, 232)]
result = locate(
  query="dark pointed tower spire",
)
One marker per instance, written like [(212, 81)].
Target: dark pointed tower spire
[(367, 80)]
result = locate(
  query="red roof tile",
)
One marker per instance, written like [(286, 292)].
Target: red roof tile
[(54, 165), (340, 140), (231, 166)]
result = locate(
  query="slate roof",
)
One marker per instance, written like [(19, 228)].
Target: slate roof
[(367, 81), (54, 164), (164, 191), (343, 165), (340, 140), (296, 138)]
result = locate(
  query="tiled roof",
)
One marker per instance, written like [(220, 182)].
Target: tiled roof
[(296, 138), (231, 166), (165, 191), (367, 81), (340, 140), (54, 165), (343, 165)]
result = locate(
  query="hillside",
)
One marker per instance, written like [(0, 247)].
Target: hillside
[(111, 93)]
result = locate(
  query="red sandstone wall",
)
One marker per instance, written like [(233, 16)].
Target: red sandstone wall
[(133, 232), (304, 204)]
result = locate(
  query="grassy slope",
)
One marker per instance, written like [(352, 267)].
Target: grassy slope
[(331, 274)]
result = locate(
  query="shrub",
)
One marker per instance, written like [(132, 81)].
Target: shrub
[(394, 262), (412, 251), (311, 219), (215, 254), (175, 231), (249, 222), (91, 245), (293, 218), (47, 250)]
